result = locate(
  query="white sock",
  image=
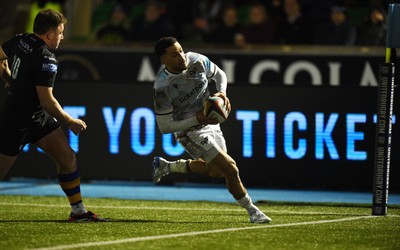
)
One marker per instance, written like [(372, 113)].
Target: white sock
[(79, 208), (179, 166), (247, 203)]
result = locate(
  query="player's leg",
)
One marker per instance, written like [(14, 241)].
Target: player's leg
[(56, 145), (219, 161), (10, 145), (10, 138), (220, 164), (163, 167), (226, 166), (199, 166), (193, 142), (213, 161)]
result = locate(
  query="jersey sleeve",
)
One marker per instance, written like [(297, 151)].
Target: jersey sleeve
[(162, 103), (46, 69), (215, 73), (210, 68), (164, 109)]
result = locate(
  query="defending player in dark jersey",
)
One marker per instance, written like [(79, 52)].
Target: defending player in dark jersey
[(31, 114)]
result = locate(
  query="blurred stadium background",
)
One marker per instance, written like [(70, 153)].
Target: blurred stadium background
[(303, 114)]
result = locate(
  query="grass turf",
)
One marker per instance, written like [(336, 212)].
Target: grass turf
[(28, 222)]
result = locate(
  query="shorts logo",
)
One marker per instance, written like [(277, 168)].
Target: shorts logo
[(51, 67), (204, 142)]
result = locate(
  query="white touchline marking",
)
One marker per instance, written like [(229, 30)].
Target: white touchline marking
[(158, 237), (180, 209), (189, 209)]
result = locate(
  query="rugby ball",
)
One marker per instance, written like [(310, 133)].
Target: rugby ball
[(214, 107)]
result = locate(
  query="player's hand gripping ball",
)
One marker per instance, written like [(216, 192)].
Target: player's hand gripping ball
[(214, 107)]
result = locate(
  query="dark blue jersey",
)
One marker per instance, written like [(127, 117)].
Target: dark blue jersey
[(31, 64)]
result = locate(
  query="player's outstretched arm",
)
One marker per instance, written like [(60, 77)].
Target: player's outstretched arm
[(167, 125), (51, 106)]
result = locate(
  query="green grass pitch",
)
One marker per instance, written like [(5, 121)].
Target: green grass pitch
[(28, 222)]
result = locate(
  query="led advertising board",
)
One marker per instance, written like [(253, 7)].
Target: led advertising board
[(283, 137)]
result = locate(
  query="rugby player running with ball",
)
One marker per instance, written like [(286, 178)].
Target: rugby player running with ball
[(180, 89)]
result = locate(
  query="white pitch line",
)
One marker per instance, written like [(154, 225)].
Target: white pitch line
[(224, 230), (188, 209), (180, 209)]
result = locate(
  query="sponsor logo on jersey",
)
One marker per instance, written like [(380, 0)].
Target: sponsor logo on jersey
[(24, 46), (51, 67), (193, 71), (50, 58), (192, 92)]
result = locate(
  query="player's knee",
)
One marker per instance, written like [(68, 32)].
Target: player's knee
[(71, 158), (67, 161), (231, 170), (215, 174)]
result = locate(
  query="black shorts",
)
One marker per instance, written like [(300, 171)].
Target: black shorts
[(16, 131)]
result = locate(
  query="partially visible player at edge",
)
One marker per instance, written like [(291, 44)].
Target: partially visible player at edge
[(31, 114), (179, 92)]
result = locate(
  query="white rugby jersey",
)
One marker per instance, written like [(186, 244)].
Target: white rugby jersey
[(183, 94)]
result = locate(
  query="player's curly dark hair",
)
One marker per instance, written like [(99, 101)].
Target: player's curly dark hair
[(46, 20), (163, 44)]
